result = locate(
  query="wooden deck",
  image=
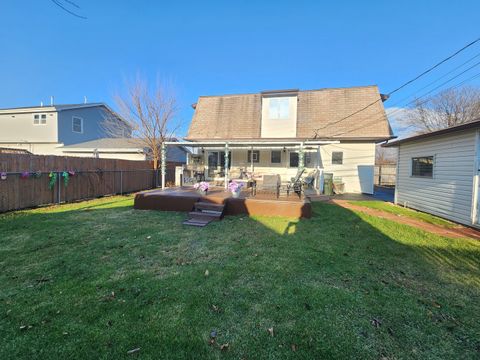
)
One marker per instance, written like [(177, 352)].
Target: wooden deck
[(184, 199)]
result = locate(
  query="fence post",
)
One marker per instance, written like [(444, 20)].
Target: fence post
[(121, 182), (59, 175)]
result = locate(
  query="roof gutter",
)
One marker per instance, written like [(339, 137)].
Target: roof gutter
[(249, 143)]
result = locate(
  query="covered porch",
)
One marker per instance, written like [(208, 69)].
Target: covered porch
[(219, 162)]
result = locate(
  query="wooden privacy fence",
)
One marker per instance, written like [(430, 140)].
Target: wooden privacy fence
[(28, 183), (385, 175)]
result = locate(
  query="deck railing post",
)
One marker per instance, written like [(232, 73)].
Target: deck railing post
[(59, 176)]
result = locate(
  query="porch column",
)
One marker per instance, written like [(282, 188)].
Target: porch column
[(226, 166), (301, 162), (163, 166), (318, 183), (251, 159)]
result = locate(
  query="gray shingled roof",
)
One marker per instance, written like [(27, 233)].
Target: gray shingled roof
[(239, 116)]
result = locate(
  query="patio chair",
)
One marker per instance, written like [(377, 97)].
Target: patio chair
[(310, 179), (295, 184), (270, 183)]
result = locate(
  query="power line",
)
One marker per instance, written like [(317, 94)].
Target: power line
[(436, 80), (400, 87), (439, 86), (410, 102), (64, 8), (434, 66)]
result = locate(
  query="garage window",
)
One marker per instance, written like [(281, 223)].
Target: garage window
[(422, 166)]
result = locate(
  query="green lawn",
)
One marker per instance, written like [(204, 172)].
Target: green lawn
[(97, 279), (398, 210)]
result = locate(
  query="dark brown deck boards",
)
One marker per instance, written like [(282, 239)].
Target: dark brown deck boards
[(184, 199)]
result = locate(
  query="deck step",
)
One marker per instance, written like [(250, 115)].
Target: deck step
[(215, 214), (204, 213), (209, 206), (196, 222)]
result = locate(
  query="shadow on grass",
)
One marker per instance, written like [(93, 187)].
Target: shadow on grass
[(97, 282)]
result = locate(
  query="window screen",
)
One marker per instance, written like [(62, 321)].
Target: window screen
[(276, 157), (422, 166), (337, 157), (293, 159), (279, 108), (77, 124)]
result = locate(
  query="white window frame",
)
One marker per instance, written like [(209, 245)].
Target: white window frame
[(433, 167), (255, 155), (343, 158), (42, 119), (81, 124), (274, 112)]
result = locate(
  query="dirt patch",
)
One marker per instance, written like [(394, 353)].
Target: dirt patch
[(456, 232)]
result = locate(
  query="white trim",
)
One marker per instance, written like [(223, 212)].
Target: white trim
[(475, 215), (397, 177), (74, 117), (40, 119), (250, 143)]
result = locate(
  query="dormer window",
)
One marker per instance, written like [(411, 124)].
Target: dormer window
[(279, 114), (279, 108)]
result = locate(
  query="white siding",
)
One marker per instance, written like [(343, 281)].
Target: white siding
[(357, 170), (19, 127), (36, 148), (279, 128), (449, 192)]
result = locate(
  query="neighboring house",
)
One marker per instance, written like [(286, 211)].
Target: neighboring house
[(438, 173), (278, 132), (122, 148), (44, 129)]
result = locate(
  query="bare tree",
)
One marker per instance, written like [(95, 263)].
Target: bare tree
[(448, 108), (385, 156), (151, 113)]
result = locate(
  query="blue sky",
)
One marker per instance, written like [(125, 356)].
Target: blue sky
[(218, 47)]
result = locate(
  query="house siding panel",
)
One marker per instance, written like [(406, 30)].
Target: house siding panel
[(356, 172), (94, 119), (449, 193), (19, 128)]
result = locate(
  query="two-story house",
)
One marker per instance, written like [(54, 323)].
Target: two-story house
[(326, 131), (46, 129)]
